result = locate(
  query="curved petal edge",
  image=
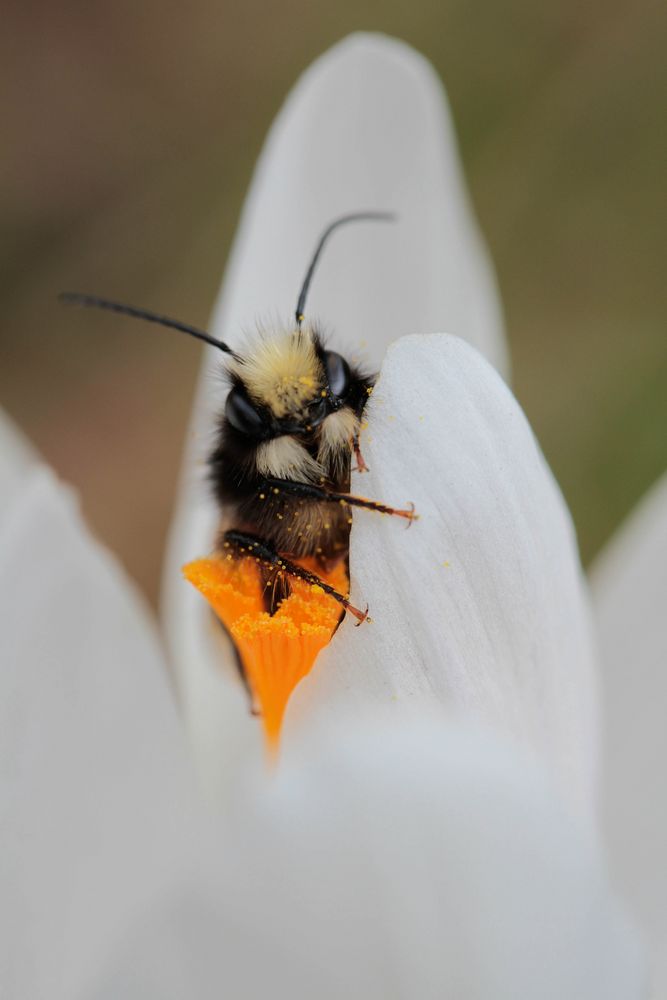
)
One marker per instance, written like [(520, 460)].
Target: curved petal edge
[(480, 607), (629, 583)]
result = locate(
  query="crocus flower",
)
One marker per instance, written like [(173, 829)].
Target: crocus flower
[(430, 828)]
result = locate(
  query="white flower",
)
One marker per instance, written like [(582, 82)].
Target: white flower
[(430, 828), (367, 127)]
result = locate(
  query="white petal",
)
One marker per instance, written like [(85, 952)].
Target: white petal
[(366, 127), (630, 597), (480, 606), (425, 863), (93, 800)]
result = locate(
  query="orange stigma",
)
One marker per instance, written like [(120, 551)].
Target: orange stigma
[(276, 650)]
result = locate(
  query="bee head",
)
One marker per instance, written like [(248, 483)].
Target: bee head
[(288, 384)]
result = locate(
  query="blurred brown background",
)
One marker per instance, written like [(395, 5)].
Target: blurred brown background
[(129, 134)]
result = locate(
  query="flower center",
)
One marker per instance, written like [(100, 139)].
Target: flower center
[(276, 650)]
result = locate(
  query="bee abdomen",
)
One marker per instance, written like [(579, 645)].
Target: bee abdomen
[(296, 526)]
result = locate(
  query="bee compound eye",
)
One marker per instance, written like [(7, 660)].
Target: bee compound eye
[(337, 372), (242, 415)]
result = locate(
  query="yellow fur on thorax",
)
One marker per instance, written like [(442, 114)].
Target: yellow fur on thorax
[(282, 371)]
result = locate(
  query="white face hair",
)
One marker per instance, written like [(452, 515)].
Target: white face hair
[(286, 458), (337, 432)]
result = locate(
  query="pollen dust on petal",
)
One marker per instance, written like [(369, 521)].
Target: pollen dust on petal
[(279, 650)]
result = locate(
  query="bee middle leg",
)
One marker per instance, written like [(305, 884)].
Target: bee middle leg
[(308, 492), (255, 547)]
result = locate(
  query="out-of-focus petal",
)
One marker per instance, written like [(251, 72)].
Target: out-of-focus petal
[(480, 605), (366, 127), (427, 862), (629, 582), (94, 799), (16, 459)]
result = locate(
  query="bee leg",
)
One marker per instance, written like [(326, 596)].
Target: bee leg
[(254, 547), (361, 465), (317, 493)]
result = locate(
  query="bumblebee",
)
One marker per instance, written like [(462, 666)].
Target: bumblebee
[(280, 468)]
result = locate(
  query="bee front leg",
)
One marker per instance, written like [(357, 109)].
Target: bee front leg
[(307, 492), (356, 447)]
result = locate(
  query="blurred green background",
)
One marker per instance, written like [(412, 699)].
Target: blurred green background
[(129, 134)]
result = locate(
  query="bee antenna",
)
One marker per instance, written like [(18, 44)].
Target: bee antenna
[(353, 217), (81, 299)]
